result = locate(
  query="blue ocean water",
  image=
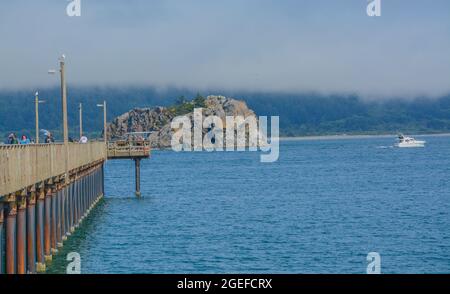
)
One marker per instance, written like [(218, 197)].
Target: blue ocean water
[(320, 209)]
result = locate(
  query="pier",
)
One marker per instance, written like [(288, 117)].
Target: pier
[(135, 150), (46, 191)]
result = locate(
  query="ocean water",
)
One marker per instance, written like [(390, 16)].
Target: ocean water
[(320, 209)]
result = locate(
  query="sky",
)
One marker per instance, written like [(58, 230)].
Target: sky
[(323, 46)]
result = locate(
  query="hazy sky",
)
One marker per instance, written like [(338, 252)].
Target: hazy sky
[(326, 46)]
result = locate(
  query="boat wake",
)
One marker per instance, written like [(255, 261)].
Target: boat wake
[(385, 147)]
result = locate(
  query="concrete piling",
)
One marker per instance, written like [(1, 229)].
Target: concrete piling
[(21, 236), (77, 202), (74, 207), (48, 224), (137, 167), (53, 221), (31, 233), (2, 256), (81, 201), (58, 217), (103, 180), (89, 191), (82, 193), (70, 209), (11, 213), (91, 195), (40, 212), (67, 210), (63, 214)]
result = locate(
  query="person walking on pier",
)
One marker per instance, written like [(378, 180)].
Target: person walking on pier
[(49, 138), (12, 139), (83, 140), (24, 140)]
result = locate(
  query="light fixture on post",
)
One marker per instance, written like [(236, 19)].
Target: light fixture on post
[(105, 137)]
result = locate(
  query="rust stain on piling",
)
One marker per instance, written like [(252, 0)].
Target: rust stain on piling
[(21, 235), (11, 238)]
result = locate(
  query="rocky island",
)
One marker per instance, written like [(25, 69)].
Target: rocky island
[(157, 120)]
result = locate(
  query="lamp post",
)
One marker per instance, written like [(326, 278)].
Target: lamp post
[(104, 120), (36, 106), (80, 108), (62, 63), (63, 96)]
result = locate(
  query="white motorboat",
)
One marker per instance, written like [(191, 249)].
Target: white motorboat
[(405, 142)]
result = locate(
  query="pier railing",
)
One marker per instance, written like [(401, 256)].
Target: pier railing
[(25, 165), (128, 149)]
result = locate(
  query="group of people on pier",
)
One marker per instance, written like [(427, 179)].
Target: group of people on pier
[(24, 140)]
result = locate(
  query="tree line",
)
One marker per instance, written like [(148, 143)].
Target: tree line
[(300, 114)]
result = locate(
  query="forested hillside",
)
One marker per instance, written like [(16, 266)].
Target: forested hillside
[(300, 114)]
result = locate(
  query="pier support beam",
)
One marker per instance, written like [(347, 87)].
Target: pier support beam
[(83, 198), (31, 233), (1, 238), (59, 217), (88, 207), (71, 208), (103, 179), (137, 167), (77, 202), (64, 213), (53, 221), (11, 213), (21, 235), (40, 212), (48, 224)]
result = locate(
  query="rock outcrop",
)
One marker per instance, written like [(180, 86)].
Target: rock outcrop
[(158, 120)]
